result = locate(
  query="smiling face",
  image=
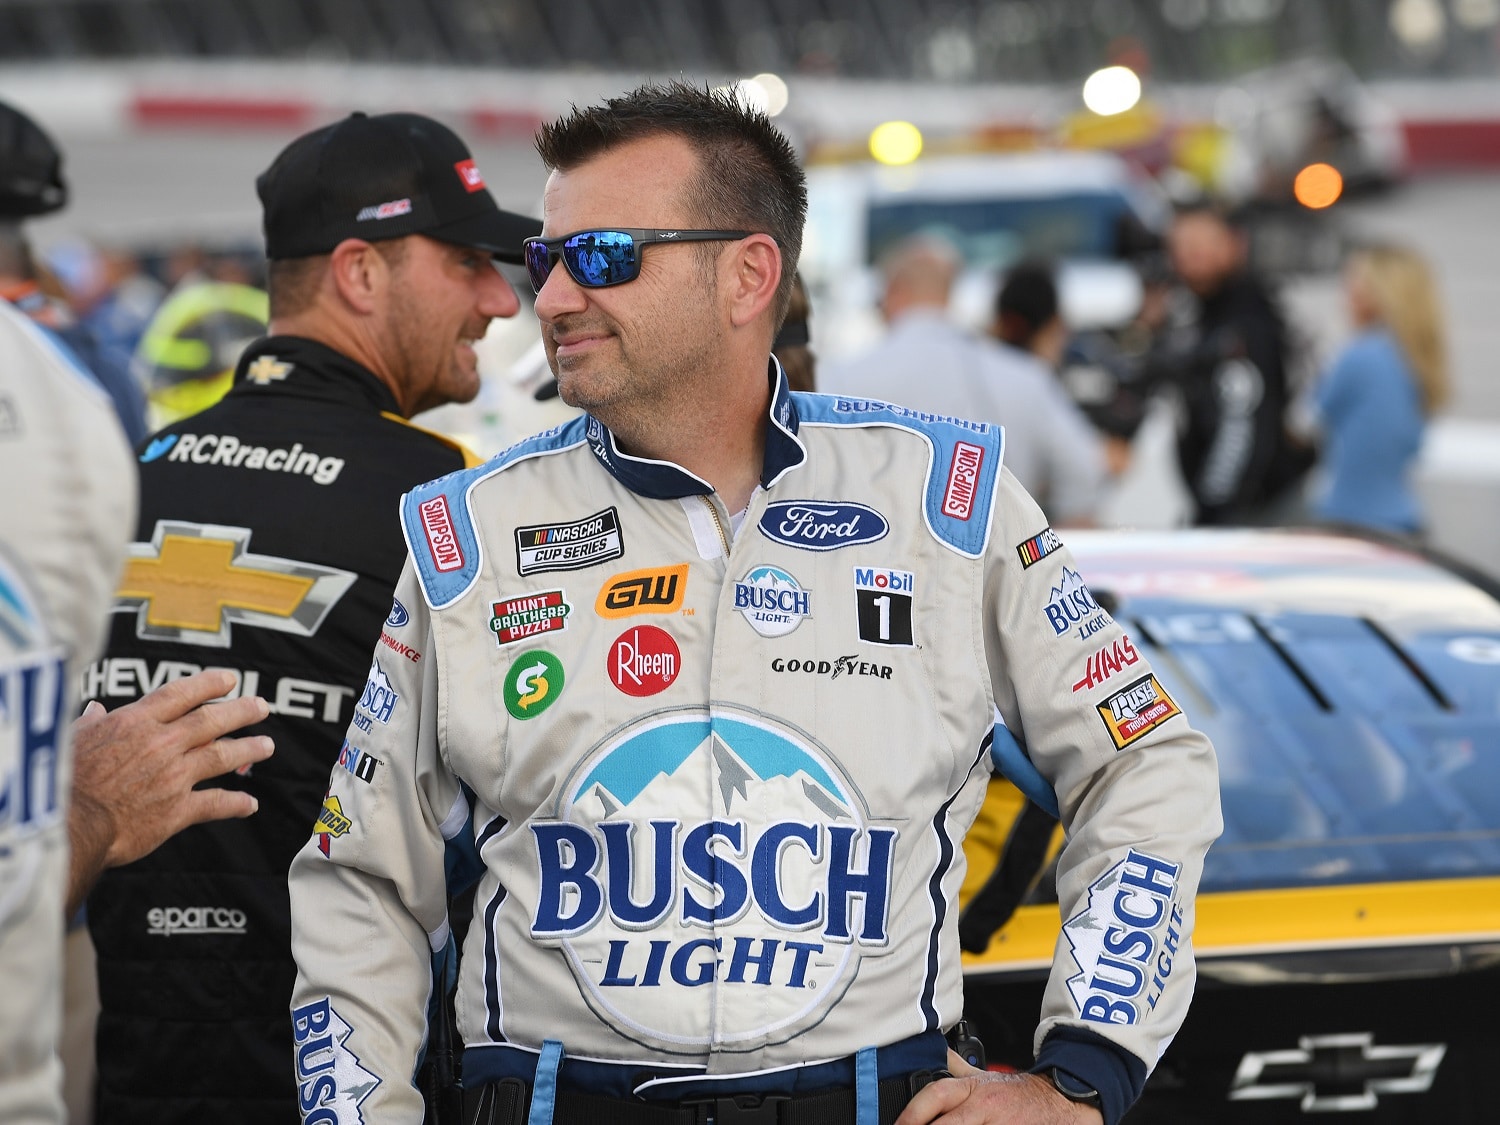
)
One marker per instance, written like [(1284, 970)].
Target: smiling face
[(646, 349), (443, 298)]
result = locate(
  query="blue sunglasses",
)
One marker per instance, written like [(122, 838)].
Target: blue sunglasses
[(597, 259)]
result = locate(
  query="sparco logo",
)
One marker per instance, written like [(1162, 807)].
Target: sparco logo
[(166, 921), (963, 480), (442, 540), (822, 527)]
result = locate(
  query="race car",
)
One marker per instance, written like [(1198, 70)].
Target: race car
[(1348, 925)]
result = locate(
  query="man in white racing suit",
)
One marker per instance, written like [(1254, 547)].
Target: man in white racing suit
[(712, 681)]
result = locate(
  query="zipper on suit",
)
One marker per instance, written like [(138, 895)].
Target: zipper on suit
[(713, 510)]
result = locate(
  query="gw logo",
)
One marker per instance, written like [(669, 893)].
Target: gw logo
[(656, 590)]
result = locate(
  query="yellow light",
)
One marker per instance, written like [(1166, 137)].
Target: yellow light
[(896, 142), (1318, 186), (1112, 90)]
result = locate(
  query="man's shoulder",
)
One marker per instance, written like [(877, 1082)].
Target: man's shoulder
[(438, 518)]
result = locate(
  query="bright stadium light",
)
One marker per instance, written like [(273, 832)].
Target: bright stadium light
[(1318, 186), (896, 142), (1112, 90), (776, 92)]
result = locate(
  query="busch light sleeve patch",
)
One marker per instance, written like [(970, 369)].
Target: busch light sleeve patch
[(1125, 940), (331, 1081), (1135, 710)]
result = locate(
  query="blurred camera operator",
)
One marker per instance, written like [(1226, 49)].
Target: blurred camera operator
[(1231, 367)]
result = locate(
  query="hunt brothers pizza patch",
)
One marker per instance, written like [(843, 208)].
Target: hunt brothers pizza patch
[(1136, 710)]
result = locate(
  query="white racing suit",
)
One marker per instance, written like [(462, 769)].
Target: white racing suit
[(718, 781), (67, 504)]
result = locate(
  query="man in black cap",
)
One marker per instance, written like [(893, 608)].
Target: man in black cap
[(269, 544)]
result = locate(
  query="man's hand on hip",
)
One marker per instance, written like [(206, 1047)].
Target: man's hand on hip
[(982, 1097)]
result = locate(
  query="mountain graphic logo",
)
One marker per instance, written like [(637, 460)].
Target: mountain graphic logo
[(694, 848)]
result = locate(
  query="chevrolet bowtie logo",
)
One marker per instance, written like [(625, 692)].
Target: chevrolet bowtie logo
[(193, 581), (1337, 1073), (267, 369)]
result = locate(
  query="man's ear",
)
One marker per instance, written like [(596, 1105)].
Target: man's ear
[(359, 275), (756, 266)]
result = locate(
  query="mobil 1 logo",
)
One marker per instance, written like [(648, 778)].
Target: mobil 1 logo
[(882, 599)]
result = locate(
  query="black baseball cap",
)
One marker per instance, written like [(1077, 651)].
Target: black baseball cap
[(382, 177), (31, 180)]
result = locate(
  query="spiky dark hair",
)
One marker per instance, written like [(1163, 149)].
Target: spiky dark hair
[(749, 177)]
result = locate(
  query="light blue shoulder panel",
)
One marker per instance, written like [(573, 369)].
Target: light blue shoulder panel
[(439, 524), (963, 473)]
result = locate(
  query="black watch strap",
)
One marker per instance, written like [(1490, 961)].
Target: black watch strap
[(1075, 1090)]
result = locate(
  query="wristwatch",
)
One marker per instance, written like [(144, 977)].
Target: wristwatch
[(1074, 1090)]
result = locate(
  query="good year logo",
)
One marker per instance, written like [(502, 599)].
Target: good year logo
[(772, 891)]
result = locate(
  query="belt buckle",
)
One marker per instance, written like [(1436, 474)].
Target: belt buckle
[(737, 1109)]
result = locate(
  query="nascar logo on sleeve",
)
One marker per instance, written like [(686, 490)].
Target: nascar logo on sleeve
[(1135, 710), (1038, 547)]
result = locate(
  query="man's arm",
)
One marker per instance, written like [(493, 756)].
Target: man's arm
[(1137, 788), (1076, 468), (136, 770), (369, 893)]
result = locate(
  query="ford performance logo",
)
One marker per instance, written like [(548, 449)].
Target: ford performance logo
[(815, 526)]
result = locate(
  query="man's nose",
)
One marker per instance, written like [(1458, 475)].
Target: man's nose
[(497, 298), (559, 295)]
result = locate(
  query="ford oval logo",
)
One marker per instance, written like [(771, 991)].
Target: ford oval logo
[(814, 525)]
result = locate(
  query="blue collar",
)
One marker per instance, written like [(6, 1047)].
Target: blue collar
[(662, 480)]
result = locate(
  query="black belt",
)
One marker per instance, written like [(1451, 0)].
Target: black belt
[(508, 1101)]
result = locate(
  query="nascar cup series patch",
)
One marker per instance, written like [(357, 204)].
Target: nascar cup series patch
[(569, 546), (773, 895), (1134, 711)]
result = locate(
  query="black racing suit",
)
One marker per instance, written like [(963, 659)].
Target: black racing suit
[(268, 544), (1234, 451)]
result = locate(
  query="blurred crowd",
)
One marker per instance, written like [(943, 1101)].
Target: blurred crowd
[(1263, 432)]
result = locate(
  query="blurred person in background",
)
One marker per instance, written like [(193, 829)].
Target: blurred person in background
[(188, 353), (793, 346), (112, 294), (1372, 404), (926, 362), (75, 797), (31, 184), (1231, 366), (1027, 315), (269, 544)]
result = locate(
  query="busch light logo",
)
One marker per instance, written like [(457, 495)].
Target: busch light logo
[(770, 892), (772, 601), (331, 1082), (1072, 604), (1125, 939), (31, 718), (815, 526), (378, 699)]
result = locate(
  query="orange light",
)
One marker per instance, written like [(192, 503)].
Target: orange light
[(1318, 186)]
